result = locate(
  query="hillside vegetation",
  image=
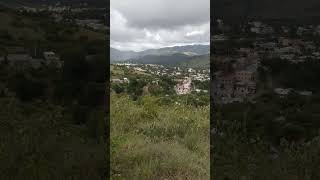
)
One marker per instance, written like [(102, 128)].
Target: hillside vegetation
[(153, 141), (181, 60), (51, 118), (202, 61)]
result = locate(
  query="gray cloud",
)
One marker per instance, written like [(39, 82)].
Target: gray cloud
[(143, 24)]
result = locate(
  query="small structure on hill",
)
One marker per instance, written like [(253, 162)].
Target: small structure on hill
[(52, 59)]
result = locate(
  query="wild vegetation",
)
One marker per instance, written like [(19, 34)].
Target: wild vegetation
[(154, 141), (52, 119), (155, 133)]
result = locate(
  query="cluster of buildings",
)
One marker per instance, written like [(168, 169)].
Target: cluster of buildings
[(184, 87), (183, 76), (18, 58), (174, 72), (292, 50), (236, 72), (235, 79), (64, 13)]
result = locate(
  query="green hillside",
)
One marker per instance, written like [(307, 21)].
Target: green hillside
[(177, 59), (153, 141), (171, 60), (197, 62)]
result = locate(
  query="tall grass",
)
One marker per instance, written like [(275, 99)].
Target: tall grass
[(150, 141)]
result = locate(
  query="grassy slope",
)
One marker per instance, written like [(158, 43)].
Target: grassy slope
[(158, 142)]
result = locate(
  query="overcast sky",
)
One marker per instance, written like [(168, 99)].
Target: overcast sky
[(144, 24)]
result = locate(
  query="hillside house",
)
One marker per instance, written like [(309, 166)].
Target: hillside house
[(50, 56), (52, 59), (126, 80)]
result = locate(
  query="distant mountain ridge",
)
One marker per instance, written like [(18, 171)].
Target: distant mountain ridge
[(187, 51), (178, 59)]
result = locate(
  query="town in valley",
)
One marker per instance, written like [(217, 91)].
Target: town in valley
[(243, 55)]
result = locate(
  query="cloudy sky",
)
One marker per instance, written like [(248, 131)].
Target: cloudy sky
[(144, 24)]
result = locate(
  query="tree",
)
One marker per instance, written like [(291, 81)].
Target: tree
[(117, 88)]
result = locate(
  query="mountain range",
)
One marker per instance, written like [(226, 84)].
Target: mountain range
[(189, 50), (190, 55)]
